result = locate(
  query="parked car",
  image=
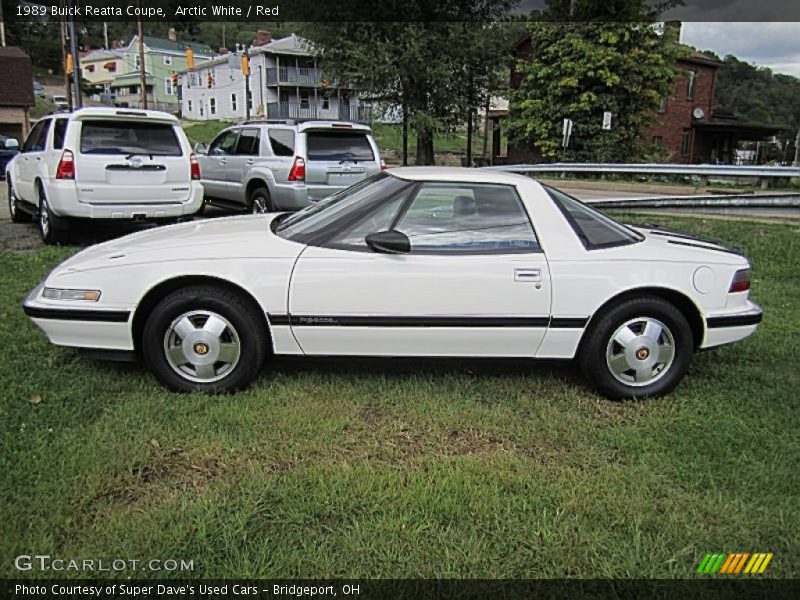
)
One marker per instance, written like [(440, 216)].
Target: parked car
[(39, 90), (264, 166), (103, 163), (513, 269), (60, 101), (9, 148)]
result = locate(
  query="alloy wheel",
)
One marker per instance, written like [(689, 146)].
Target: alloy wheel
[(640, 351), (202, 346)]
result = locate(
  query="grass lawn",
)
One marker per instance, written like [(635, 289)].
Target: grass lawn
[(203, 131), (405, 469)]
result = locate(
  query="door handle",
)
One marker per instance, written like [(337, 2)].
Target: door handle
[(223, 161), (250, 161), (527, 274)]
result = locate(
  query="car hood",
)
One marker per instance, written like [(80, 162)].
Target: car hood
[(222, 238)]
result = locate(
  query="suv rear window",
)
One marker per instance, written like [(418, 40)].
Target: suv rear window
[(126, 137), (338, 146)]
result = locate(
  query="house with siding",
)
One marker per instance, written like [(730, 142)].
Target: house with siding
[(16, 93), (285, 83)]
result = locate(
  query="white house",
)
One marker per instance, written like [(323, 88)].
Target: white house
[(285, 83)]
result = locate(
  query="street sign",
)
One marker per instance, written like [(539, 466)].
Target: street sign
[(607, 120), (566, 133)]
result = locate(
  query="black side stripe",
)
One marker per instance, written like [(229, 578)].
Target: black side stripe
[(734, 320), (66, 314), (694, 245), (424, 321)]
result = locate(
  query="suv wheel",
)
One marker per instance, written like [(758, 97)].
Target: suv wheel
[(640, 348), (51, 228), (17, 215), (259, 201), (205, 339)]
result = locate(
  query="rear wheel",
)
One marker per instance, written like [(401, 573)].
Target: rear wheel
[(17, 215), (641, 348), (204, 339), (260, 201), (52, 229)]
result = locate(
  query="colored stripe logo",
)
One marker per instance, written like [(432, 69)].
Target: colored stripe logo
[(734, 563)]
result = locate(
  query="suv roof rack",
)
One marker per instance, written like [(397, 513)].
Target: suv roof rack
[(267, 122)]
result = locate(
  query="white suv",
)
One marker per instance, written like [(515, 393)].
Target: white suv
[(103, 163)]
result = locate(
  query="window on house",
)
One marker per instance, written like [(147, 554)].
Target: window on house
[(90, 68), (212, 106), (189, 106), (136, 62), (686, 142), (662, 106), (168, 87), (304, 99), (326, 101), (658, 142), (201, 109), (691, 84), (192, 80), (234, 103), (167, 60)]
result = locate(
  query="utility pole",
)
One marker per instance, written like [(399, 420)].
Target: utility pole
[(2, 26), (76, 63), (67, 85), (105, 34), (261, 109), (405, 134), (797, 149), (142, 71), (486, 126), (246, 65)]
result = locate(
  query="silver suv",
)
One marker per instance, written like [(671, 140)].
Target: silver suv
[(266, 165)]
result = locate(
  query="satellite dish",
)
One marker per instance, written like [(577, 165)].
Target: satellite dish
[(698, 113)]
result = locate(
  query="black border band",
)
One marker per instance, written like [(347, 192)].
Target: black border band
[(425, 321), (66, 314), (734, 320)]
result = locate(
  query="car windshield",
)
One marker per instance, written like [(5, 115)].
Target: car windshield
[(594, 229), (338, 210)]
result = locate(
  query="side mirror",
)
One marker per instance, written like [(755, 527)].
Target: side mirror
[(12, 144), (200, 148), (389, 242)]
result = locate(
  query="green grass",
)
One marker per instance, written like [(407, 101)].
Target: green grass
[(203, 131), (464, 469), (390, 138)]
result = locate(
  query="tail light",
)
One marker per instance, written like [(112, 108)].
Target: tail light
[(66, 166), (741, 281), (383, 165), (298, 172), (194, 167)]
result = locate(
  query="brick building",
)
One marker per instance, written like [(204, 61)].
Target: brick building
[(16, 93)]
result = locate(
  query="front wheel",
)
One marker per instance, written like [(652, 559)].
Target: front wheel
[(641, 348), (204, 339), (17, 215)]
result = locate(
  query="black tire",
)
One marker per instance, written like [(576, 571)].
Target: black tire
[(244, 326), (598, 353), (52, 229), (259, 201), (17, 215)]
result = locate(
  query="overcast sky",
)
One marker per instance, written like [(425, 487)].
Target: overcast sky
[(773, 45)]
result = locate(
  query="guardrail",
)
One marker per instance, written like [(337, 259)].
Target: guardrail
[(761, 173), (761, 201)]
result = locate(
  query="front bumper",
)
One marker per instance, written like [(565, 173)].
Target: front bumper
[(726, 328), (76, 325)]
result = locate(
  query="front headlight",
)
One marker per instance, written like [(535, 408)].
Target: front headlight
[(66, 294)]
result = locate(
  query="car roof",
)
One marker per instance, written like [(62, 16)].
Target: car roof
[(458, 174), (105, 112)]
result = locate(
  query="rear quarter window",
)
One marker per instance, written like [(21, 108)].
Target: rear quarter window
[(125, 137), (336, 146), (281, 141)]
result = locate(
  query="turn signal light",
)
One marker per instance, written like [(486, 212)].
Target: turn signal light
[(298, 172), (741, 281), (383, 165), (66, 166), (194, 167)]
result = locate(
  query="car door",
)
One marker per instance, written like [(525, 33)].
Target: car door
[(26, 167), (243, 158), (474, 283), (214, 165)]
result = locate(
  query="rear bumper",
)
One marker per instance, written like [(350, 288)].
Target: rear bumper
[(64, 202), (80, 326), (725, 328), (290, 196)]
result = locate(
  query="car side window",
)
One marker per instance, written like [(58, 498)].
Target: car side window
[(59, 133), (281, 141), (248, 144), (380, 219), (224, 144), (468, 219), (37, 137)]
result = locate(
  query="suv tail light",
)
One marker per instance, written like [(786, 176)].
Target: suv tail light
[(741, 281), (66, 166), (383, 165), (298, 172), (194, 167)]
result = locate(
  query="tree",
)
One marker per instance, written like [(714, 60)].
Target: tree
[(435, 71), (581, 70)]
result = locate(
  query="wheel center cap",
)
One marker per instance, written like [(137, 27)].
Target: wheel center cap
[(642, 353), (201, 348)]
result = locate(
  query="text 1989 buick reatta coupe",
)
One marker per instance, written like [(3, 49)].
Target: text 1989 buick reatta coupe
[(431, 262)]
